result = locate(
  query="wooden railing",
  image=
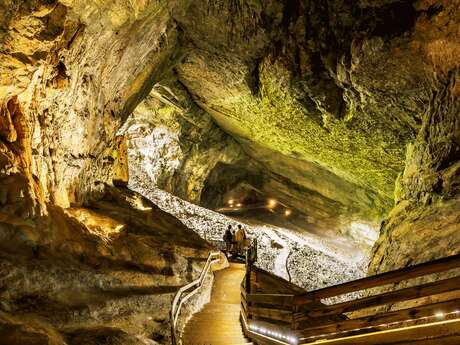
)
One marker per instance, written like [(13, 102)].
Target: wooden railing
[(305, 318), (187, 291)]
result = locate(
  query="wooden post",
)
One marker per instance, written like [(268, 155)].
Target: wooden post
[(248, 277), (294, 324)]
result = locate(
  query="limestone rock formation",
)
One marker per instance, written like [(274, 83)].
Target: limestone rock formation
[(176, 143), (108, 272), (427, 214)]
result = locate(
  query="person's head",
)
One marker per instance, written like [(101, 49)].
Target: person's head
[(239, 226), (229, 227)]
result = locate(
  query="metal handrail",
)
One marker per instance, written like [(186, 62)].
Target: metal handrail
[(183, 294)]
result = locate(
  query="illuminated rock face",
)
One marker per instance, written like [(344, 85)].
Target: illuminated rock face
[(109, 272), (427, 213), (59, 63)]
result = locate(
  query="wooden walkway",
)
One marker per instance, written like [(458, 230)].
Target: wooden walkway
[(219, 321)]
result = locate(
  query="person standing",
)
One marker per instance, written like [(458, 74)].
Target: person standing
[(228, 238), (240, 237)]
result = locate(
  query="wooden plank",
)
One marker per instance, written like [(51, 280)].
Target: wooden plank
[(440, 286), (271, 313), (244, 305), (271, 299), (262, 340), (436, 266), (244, 293), (380, 320)]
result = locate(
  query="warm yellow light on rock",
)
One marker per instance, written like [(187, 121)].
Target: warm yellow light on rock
[(118, 228), (239, 205), (230, 202), (143, 208), (95, 223), (287, 213), (139, 204)]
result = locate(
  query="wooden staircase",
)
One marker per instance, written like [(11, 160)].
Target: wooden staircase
[(219, 321)]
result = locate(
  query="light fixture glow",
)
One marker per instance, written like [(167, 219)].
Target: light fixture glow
[(272, 203), (439, 314), (231, 201), (239, 205), (287, 212)]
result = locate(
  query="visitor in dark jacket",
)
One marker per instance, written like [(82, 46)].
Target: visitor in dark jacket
[(228, 238)]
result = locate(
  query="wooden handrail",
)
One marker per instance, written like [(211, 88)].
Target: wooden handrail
[(397, 276), (410, 293), (183, 294), (309, 318), (383, 319)]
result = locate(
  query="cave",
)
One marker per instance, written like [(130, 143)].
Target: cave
[(133, 133)]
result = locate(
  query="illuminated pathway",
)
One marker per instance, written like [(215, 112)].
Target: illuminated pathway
[(219, 321)]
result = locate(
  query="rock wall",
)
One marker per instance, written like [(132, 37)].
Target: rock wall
[(106, 274), (71, 73), (427, 214), (175, 143)]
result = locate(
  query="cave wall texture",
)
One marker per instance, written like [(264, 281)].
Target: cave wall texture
[(344, 110), (331, 103)]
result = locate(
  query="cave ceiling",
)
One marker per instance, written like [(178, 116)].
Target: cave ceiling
[(313, 103), (323, 99)]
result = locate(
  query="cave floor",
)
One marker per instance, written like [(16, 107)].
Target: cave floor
[(218, 323)]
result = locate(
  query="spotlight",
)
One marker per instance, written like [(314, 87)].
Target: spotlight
[(287, 213), (272, 203), (239, 205), (440, 315), (230, 202)]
